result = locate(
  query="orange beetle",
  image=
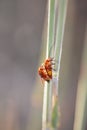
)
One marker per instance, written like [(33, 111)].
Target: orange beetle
[(45, 70)]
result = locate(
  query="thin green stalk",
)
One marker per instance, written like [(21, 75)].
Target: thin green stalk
[(62, 10), (47, 99), (60, 32), (55, 31)]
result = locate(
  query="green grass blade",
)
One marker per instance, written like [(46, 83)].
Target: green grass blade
[(47, 90), (62, 4), (50, 115), (60, 31)]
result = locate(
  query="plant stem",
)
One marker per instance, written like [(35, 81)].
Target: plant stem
[(55, 31), (47, 99)]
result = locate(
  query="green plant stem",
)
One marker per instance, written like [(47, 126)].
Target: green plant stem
[(60, 32), (47, 98), (55, 31), (62, 10)]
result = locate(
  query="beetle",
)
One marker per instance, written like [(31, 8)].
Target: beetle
[(45, 70)]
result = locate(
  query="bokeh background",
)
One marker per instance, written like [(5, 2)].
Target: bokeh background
[(21, 25), (21, 92)]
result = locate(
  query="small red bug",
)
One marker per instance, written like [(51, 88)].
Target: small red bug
[(45, 70)]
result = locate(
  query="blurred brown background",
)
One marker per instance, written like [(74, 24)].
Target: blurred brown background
[(21, 25)]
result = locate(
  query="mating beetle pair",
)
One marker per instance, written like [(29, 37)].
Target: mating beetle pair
[(45, 70)]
